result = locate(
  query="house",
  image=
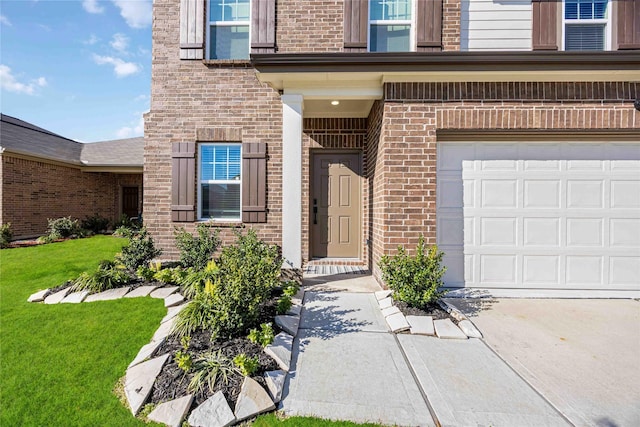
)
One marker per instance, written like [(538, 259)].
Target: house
[(44, 175), (503, 131)]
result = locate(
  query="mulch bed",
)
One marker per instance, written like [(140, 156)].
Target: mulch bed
[(433, 310), (172, 382)]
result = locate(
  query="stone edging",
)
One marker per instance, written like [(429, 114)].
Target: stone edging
[(425, 325), (144, 369)]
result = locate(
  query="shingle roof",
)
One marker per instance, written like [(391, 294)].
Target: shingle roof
[(20, 137)]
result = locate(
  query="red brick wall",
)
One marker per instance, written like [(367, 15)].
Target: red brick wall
[(317, 26), (33, 191)]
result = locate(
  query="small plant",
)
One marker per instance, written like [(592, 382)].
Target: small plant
[(96, 224), (145, 273), (123, 231), (169, 276), (208, 368), (195, 281), (284, 304), (247, 365), (184, 341), (290, 288), (5, 234), (414, 279), (127, 222), (183, 359), (107, 276), (65, 227), (198, 314), (145, 411), (195, 252), (139, 251), (262, 337)]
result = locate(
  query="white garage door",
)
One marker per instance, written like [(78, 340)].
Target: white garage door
[(545, 216)]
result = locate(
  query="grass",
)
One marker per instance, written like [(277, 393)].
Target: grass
[(59, 363), (273, 419)]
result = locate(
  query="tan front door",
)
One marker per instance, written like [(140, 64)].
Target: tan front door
[(335, 206)]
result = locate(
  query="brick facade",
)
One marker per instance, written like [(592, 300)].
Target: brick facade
[(33, 191), (398, 140)]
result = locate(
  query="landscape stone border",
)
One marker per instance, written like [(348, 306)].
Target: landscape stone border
[(143, 370), (425, 325)]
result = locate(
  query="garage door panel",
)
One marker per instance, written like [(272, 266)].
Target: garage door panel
[(451, 232), (542, 215), (450, 193)]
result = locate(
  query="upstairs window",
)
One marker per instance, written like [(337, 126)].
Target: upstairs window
[(586, 25), (228, 29), (219, 184), (390, 26)]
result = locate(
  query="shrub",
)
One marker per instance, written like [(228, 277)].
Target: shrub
[(65, 227), (107, 276), (5, 234), (139, 251), (198, 314), (96, 224), (208, 368), (262, 337), (194, 281), (195, 252), (248, 272), (126, 222), (170, 276), (247, 365), (145, 273), (414, 279)]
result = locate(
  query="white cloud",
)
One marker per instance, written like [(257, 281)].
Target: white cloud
[(134, 129), (120, 42), (92, 6), (120, 67), (10, 83), (141, 97), (137, 13), (4, 20), (93, 39)]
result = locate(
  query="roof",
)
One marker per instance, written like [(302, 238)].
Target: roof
[(20, 137)]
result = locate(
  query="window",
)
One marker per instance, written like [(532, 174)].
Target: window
[(390, 26), (586, 25), (228, 29), (219, 182)]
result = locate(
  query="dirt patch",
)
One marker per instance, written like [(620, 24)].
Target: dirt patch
[(433, 310)]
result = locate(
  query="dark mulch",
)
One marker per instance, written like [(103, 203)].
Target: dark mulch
[(433, 310)]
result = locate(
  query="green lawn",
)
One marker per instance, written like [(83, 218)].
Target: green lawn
[(59, 363)]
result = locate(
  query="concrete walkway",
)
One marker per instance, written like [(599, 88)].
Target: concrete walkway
[(582, 355), (347, 365)]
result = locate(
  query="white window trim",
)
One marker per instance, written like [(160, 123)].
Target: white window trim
[(606, 21), (223, 24), (213, 181), (411, 22)]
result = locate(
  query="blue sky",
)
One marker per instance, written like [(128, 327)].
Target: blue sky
[(79, 68)]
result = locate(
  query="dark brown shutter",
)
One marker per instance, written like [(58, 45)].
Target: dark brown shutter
[(628, 24), (356, 21), (183, 177), (545, 27), (263, 26), (429, 25), (254, 182), (191, 29)]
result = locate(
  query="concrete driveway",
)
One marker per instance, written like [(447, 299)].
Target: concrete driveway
[(583, 356)]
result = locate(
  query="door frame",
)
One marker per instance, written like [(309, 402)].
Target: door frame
[(319, 151)]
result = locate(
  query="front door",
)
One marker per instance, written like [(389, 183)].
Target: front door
[(335, 206), (130, 201)]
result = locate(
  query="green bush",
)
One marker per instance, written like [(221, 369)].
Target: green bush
[(170, 276), (139, 251), (145, 273), (290, 288), (208, 368), (228, 303), (284, 304), (96, 224), (414, 279), (107, 276), (126, 222), (262, 337), (194, 281), (247, 365), (5, 234), (65, 227), (195, 252)]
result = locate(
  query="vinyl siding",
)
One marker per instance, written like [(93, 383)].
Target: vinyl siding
[(495, 25)]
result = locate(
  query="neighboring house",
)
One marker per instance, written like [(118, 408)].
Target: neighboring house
[(503, 131), (44, 175)]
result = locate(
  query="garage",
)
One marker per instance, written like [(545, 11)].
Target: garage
[(533, 218)]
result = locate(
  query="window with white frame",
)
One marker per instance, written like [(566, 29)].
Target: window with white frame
[(228, 29), (219, 181), (586, 25), (390, 26)]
